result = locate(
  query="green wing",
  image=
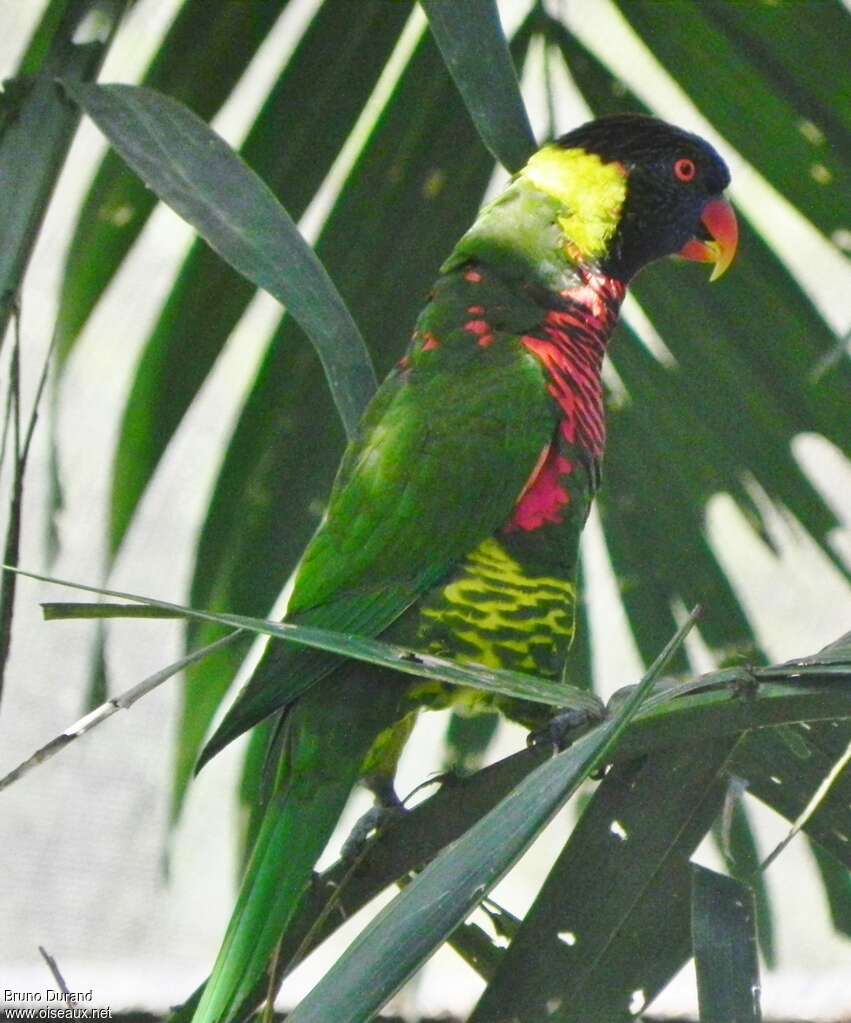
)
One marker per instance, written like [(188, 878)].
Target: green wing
[(443, 453)]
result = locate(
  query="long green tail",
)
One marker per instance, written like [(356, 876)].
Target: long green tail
[(330, 731)]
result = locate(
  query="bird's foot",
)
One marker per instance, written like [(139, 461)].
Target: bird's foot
[(374, 820), (562, 728), (747, 685), (452, 775)]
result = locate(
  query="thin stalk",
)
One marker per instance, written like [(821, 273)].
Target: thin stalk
[(37, 131), (11, 548), (100, 714)]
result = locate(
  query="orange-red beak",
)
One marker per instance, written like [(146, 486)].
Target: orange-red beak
[(720, 221)]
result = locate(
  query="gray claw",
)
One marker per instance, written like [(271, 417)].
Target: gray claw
[(372, 821), (562, 728)]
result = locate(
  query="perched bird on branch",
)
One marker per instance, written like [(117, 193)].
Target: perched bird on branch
[(454, 521)]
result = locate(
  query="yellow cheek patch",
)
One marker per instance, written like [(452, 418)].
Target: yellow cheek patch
[(591, 192)]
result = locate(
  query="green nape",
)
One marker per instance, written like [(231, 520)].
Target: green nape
[(561, 210)]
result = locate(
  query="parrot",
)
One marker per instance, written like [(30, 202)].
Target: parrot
[(453, 524)]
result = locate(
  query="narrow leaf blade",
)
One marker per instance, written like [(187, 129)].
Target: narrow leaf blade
[(437, 901), (781, 105), (473, 46), (193, 170), (736, 841), (36, 129), (837, 889), (352, 42), (404, 845), (118, 205), (787, 777), (725, 951), (406, 933)]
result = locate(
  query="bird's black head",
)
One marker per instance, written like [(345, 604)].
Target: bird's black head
[(673, 202)]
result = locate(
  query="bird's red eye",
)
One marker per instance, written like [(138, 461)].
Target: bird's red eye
[(685, 169)]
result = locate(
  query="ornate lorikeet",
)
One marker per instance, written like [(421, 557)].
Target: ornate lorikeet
[(455, 517)]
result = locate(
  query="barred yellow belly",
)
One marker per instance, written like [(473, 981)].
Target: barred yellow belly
[(492, 612)]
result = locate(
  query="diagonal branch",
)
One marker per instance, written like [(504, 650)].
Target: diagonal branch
[(122, 702)]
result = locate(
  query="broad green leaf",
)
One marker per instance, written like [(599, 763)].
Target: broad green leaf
[(394, 945), (493, 680), (473, 46), (413, 191), (407, 842), (205, 51), (98, 675), (725, 954), (205, 182), (591, 959), (352, 42), (37, 126), (254, 782), (771, 80)]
